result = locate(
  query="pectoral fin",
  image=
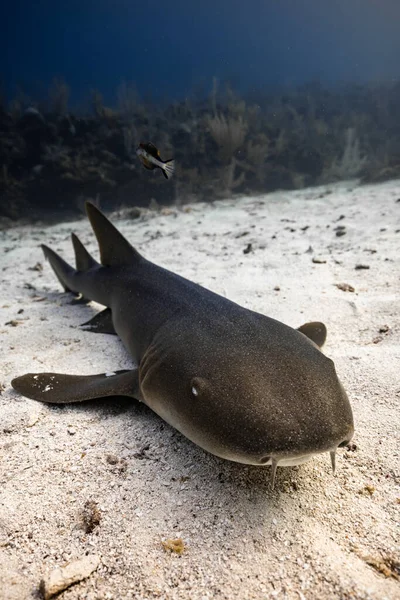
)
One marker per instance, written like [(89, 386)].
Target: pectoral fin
[(61, 389), (315, 331), (101, 323)]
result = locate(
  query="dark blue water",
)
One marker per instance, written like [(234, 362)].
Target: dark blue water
[(166, 48)]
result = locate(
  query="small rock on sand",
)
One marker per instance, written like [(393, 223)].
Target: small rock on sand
[(62, 577)]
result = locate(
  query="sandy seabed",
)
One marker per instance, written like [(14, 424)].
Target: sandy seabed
[(314, 536)]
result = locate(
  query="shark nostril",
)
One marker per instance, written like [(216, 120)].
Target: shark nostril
[(265, 460)]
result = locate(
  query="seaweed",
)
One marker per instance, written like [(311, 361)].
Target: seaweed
[(176, 546)]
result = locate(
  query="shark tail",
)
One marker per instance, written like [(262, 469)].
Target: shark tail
[(87, 280), (64, 272)]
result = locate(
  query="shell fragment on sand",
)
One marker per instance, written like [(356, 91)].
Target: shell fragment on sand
[(63, 577)]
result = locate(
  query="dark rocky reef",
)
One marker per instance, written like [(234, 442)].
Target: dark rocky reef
[(51, 160)]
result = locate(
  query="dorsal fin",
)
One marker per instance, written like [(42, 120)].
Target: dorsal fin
[(83, 259), (114, 248)]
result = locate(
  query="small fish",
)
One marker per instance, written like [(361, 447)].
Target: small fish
[(150, 158)]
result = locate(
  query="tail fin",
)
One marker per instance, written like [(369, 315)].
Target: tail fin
[(169, 168), (62, 269), (83, 259), (114, 248)]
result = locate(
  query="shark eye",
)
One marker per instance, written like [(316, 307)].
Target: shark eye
[(196, 386)]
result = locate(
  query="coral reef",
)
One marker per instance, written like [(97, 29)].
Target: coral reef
[(51, 159)]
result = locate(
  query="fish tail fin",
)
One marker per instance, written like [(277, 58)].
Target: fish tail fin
[(64, 272), (114, 248), (168, 168), (83, 260)]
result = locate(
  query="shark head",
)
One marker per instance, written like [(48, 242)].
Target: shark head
[(274, 399)]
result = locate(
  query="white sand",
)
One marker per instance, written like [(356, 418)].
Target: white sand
[(311, 536)]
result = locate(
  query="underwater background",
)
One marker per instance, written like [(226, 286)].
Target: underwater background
[(248, 97)]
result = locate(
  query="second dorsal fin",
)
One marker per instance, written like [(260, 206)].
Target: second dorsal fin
[(83, 260), (114, 248)]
